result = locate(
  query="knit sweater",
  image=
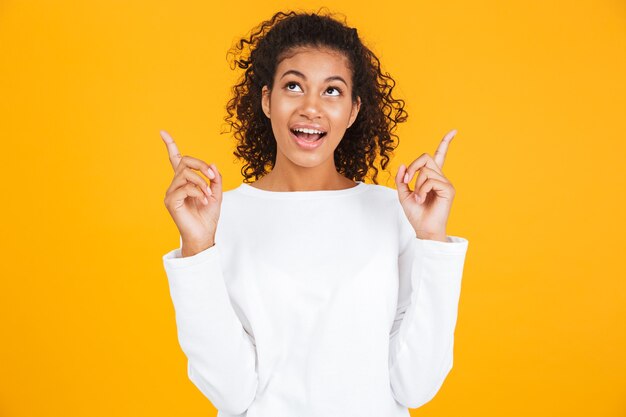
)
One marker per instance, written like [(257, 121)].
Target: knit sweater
[(317, 303)]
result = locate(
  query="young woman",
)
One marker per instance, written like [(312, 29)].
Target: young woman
[(309, 292)]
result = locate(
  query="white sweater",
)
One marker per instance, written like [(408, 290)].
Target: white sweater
[(317, 304)]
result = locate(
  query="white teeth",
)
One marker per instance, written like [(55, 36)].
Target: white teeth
[(309, 131)]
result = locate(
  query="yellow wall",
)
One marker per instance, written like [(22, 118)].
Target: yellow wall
[(536, 89)]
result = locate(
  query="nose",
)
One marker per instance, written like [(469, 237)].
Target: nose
[(311, 106)]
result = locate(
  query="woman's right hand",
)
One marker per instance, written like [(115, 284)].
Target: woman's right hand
[(193, 204)]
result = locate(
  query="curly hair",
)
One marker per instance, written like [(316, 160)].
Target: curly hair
[(259, 55)]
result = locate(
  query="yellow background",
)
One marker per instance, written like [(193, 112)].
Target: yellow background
[(536, 89)]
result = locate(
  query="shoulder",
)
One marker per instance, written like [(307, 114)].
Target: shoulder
[(382, 192), (382, 199), (233, 200), (382, 189)]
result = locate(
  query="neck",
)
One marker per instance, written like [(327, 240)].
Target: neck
[(292, 177)]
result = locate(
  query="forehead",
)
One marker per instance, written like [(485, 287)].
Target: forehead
[(314, 62)]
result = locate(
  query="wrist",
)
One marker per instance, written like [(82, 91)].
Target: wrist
[(441, 237), (191, 249)]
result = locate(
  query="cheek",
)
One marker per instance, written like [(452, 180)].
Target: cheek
[(280, 114), (340, 114), (281, 109)]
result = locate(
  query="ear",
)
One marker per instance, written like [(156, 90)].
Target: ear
[(265, 100), (356, 106)]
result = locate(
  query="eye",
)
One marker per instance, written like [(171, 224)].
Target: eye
[(292, 86), (333, 91)]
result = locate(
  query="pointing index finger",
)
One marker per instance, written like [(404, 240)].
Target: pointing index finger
[(440, 153), (172, 149)]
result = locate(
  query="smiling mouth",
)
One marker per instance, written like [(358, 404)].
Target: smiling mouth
[(308, 135)]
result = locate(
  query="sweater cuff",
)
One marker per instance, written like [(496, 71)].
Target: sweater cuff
[(454, 245), (174, 258)]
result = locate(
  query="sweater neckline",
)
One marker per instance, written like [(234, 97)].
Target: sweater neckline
[(246, 188)]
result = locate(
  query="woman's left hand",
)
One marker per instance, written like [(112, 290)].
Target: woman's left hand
[(428, 207)]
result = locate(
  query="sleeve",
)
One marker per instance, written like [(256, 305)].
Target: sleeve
[(221, 355), (422, 335)]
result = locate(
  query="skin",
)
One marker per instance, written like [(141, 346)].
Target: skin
[(428, 206), (311, 86), (307, 96)]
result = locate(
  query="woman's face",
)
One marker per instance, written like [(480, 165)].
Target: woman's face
[(310, 106)]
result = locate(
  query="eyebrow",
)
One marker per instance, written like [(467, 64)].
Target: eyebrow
[(301, 75)]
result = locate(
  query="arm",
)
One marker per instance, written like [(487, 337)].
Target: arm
[(422, 335), (221, 355)]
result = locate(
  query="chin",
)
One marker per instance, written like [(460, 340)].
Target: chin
[(304, 162)]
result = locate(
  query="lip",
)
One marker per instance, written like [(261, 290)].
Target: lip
[(307, 145)]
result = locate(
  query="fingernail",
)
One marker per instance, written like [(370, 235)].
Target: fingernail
[(210, 173), (208, 190), (406, 178)]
